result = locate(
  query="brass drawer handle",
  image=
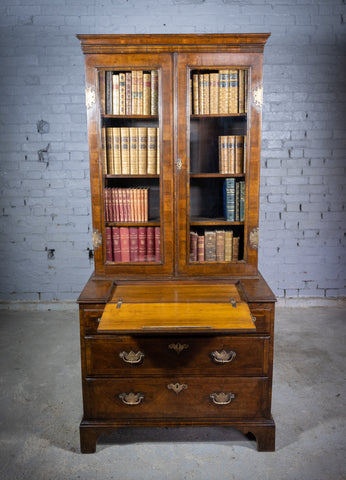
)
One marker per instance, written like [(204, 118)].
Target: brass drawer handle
[(178, 347), (132, 357), (177, 387), (131, 398), (222, 398), (223, 356)]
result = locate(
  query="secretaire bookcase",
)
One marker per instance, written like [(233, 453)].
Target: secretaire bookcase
[(176, 320)]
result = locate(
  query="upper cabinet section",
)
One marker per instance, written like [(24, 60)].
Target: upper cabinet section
[(174, 139)]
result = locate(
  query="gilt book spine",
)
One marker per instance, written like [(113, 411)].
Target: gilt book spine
[(133, 244), (142, 244), (109, 245), (154, 92), (125, 244), (116, 244), (157, 235)]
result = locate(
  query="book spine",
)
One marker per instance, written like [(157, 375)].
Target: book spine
[(214, 93), (241, 91), (157, 235), (193, 246), (152, 154), (109, 245), (109, 88), (150, 244), (200, 248), (128, 91), (139, 92), (122, 94), (242, 202), (223, 154), (228, 245), (116, 244), (210, 246), (195, 94), (125, 244), (231, 154), (223, 91), (116, 170), (235, 254), (109, 148), (233, 92), (239, 153), (134, 92), (229, 199), (142, 244), (206, 87), (146, 93), (133, 244), (116, 99), (154, 92), (220, 245), (125, 151), (133, 151), (142, 150), (201, 95), (237, 201)]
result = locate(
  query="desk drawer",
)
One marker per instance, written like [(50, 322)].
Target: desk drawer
[(177, 397), (220, 355)]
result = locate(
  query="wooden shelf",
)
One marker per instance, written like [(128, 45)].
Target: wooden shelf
[(212, 222), (217, 175)]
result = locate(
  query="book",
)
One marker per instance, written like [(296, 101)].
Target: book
[(193, 246), (134, 157), (139, 92), (109, 89), (116, 144), (214, 93), (223, 91), (200, 248), (125, 150), (122, 94), (229, 199), (109, 245), (195, 94), (242, 201), (210, 246), (239, 153), (142, 151), (115, 93), (235, 254), (142, 244), (128, 93), (150, 244), (157, 237), (124, 244), (151, 151), (220, 245), (154, 92), (233, 91), (228, 245), (116, 244), (223, 154), (134, 251), (146, 93), (231, 154)]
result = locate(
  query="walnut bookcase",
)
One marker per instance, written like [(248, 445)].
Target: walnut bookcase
[(176, 321)]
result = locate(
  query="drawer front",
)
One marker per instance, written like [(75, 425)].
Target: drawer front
[(263, 319), (177, 397), (131, 356)]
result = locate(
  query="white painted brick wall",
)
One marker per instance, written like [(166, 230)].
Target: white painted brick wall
[(45, 205)]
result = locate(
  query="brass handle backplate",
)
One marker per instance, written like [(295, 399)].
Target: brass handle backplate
[(222, 398), (134, 358), (177, 387), (178, 347), (179, 164), (131, 398), (223, 356)]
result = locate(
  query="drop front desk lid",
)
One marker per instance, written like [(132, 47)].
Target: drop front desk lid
[(185, 308)]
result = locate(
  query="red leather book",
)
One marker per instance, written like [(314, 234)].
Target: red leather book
[(142, 244), (150, 244), (157, 244), (116, 244), (109, 246), (200, 248), (125, 244), (134, 250)]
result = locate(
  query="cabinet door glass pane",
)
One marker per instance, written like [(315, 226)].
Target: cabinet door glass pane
[(218, 160), (130, 137)]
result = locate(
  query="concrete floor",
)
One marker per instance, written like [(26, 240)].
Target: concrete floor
[(41, 409)]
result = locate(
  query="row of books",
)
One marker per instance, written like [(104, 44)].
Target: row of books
[(214, 246), (126, 204), (131, 93), (131, 151), (220, 92), (232, 153), (133, 244), (234, 200)]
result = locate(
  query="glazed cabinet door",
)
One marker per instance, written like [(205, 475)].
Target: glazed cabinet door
[(130, 111), (217, 162)]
